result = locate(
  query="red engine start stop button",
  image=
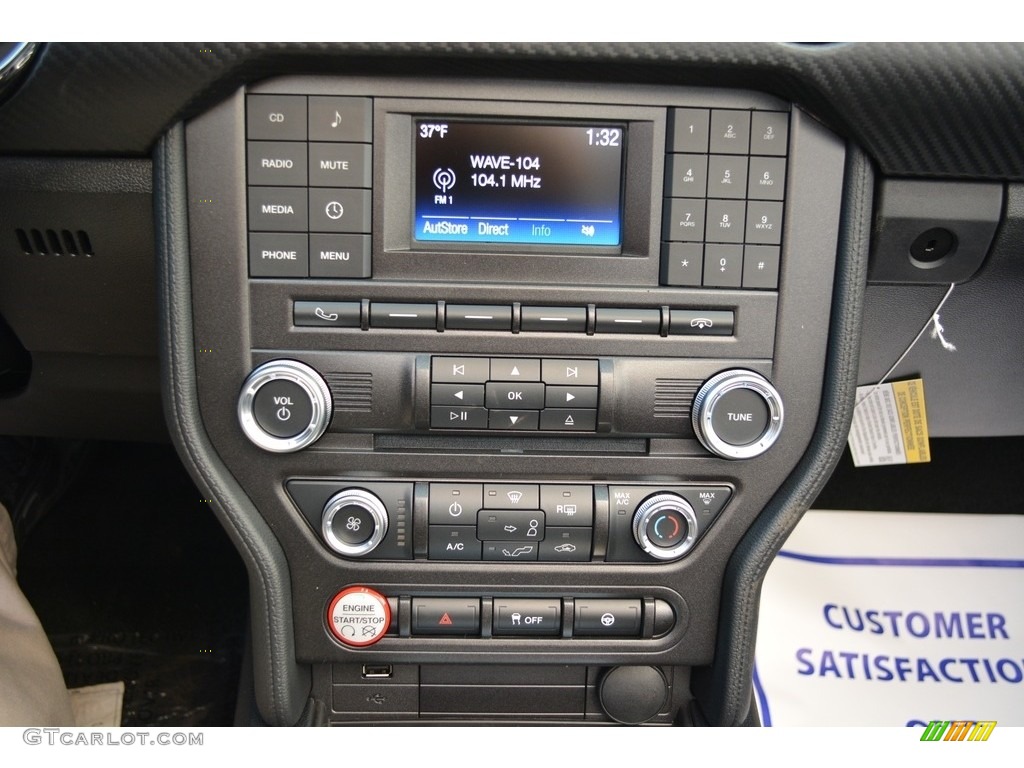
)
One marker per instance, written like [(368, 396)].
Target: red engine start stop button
[(359, 616)]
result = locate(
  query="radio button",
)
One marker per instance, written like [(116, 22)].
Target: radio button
[(764, 223), (483, 317), (455, 503), (682, 263), (568, 505), (277, 209), (340, 118), (330, 314), (767, 178), (505, 419), (529, 396), (727, 176), (723, 265), (684, 220), (339, 256), (510, 525), (566, 545), (769, 133), (527, 617), (569, 419), (456, 417), (612, 320), (761, 266), (339, 210), (700, 322), (340, 165), (456, 394), (459, 370), (453, 542), (687, 175), (277, 163), (511, 496), (688, 130), (730, 131), (581, 373), (276, 118), (274, 255), (559, 319), (514, 369), (570, 397), (388, 315), (725, 222)]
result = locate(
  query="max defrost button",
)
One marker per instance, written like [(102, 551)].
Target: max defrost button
[(359, 616), (527, 617)]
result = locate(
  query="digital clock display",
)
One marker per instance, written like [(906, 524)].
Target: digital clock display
[(518, 183)]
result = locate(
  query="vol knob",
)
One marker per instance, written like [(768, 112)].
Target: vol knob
[(284, 406), (355, 521), (737, 414)]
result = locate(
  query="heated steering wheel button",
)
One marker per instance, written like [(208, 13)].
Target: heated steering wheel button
[(282, 408), (740, 417)]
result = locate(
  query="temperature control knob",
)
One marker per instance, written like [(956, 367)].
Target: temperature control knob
[(665, 526), (737, 414), (355, 521), (284, 406)]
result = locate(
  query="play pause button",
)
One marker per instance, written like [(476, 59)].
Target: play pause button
[(505, 419), (455, 417)]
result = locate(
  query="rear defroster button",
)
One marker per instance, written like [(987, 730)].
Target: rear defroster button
[(359, 616)]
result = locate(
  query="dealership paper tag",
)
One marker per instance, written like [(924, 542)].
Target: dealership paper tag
[(894, 619), (890, 425)]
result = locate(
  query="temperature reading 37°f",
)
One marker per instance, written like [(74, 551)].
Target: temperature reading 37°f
[(429, 130)]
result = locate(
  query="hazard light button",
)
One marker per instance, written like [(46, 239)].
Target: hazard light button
[(359, 616), (445, 616)]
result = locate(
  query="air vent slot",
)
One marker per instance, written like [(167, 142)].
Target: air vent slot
[(53, 242), (673, 397), (352, 392)]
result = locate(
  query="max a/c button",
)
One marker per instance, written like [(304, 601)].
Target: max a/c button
[(444, 616)]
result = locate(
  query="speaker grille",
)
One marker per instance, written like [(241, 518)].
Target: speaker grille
[(673, 397), (351, 391)]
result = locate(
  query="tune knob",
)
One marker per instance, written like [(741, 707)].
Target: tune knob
[(355, 521), (284, 406), (737, 414), (665, 526)]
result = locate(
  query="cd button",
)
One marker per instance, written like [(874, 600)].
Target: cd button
[(276, 118)]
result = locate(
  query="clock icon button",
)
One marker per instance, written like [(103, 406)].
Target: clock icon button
[(335, 210)]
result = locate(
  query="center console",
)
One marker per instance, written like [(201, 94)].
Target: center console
[(508, 370)]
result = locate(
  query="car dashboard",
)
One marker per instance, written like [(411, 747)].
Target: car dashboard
[(507, 369)]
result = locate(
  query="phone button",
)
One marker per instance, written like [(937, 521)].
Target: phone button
[(331, 314), (701, 322)]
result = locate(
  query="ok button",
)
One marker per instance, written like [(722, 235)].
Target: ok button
[(511, 395)]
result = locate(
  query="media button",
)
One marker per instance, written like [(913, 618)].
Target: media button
[(277, 209)]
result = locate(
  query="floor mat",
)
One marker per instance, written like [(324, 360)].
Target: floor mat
[(875, 618), (135, 581)]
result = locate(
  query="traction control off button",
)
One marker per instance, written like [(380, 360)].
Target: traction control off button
[(359, 616)]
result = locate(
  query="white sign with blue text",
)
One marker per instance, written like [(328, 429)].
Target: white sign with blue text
[(883, 618)]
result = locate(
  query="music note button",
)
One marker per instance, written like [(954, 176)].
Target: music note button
[(340, 118)]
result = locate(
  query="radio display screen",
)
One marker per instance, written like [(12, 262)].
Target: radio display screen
[(515, 182)]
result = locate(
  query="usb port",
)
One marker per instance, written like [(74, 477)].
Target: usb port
[(376, 671)]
